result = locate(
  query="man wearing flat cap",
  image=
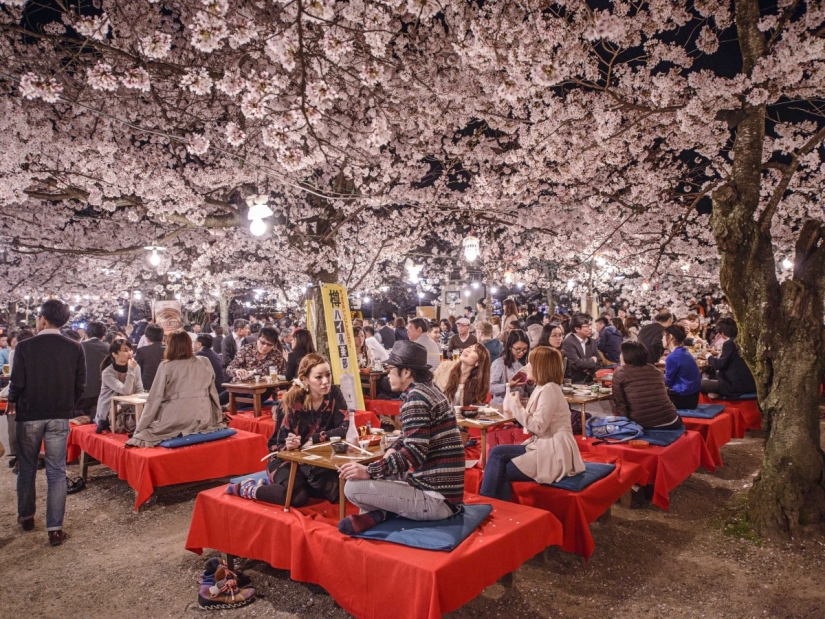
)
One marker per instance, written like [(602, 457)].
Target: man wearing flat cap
[(463, 339), (422, 476)]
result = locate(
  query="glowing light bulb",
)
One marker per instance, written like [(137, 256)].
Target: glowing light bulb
[(154, 259), (366, 299), (786, 264), (493, 290), (257, 227)]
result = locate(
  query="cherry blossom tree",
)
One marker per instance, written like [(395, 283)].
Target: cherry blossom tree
[(679, 146)]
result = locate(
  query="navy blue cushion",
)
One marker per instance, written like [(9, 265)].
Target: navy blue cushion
[(661, 437), (255, 476), (745, 396), (194, 439), (430, 534), (593, 471), (705, 411)]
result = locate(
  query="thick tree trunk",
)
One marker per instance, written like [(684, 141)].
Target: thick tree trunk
[(223, 304), (780, 327)]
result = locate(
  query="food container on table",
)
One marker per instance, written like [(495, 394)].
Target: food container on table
[(469, 412), (340, 447)]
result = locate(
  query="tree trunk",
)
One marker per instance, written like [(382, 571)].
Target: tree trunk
[(223, 304), (780, 327)]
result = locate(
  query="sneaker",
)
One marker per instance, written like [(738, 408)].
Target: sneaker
[(212, 566), (245, 489), (57, 537), (220, 590)]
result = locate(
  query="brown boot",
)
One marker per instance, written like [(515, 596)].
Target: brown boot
[(57, 537)]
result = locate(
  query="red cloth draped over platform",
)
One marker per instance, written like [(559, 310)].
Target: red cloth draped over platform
[(265, 424), (371, 578), (746, 414), (575, 510), (145, 468), (716, 432), (383, 407), (72, 446), (664, 467)]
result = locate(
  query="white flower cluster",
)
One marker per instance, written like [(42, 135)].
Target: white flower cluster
[(198, 81), (35, 87), (136, 79), (606, 26), (198, 144), (208, 32), (234, 135), (96, 27), (100, 77), (156, 45)]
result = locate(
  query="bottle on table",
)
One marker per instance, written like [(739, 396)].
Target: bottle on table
[(352, 431)]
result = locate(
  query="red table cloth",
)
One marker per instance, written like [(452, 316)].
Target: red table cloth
[(746, 414), (265, 424), (383, 407), (575, 510), (370, 578), (72, 446), (145, 468), (664, 467), (716, 432)]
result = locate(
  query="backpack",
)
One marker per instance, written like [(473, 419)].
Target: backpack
[(618, 429)]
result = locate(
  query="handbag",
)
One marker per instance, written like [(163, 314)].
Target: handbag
[(125, 421)]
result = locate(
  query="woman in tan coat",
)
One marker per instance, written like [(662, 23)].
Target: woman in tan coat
[(183, 399), (551, 454)]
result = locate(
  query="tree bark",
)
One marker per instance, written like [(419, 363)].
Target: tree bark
[(781, 332)]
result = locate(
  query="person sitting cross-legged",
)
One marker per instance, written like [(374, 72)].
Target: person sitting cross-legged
[(551, 453), (427, 459)]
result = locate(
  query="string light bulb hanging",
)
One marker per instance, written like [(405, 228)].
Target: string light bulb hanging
[(258, 210), (471, 247), (154, 257)]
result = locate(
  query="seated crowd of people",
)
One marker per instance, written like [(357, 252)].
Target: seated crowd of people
[(432, 369)]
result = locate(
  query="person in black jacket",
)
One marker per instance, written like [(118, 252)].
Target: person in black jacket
[(387, 334), (733, 377), (651, 336), (47, 380), (610, 340), (203, 348), (302, 345), (95, 351), (149, 357), (233, 342), (580, 350)]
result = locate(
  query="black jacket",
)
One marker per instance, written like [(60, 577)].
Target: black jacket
[(387, 337), (733, 373), (229, 348), (651, 336), (216, 344), (580, 365), (217, 366), (48, 377), (95, 351), (293, 360), (149, 358)]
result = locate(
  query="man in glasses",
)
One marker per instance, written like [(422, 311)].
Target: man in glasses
[(257, 357)]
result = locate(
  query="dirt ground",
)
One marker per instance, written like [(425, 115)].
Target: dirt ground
[(647, 563)]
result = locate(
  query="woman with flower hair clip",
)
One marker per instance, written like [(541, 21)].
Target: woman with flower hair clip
[(312, 411)]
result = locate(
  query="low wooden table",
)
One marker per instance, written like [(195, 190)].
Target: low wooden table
[(138, 400), (485, 424), (371, 379), (250, 393), (583, 401), (327, 459)]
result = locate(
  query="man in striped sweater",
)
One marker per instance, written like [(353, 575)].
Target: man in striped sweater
[(422, 476)]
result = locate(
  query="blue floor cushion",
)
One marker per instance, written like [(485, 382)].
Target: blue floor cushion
[(704, 411), (255, 476), (194, 439), (430, 534), (661, 437), (593, 472)]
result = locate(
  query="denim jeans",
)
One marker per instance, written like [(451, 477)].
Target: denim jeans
[(397, 497), (53, 433), (500, 471)]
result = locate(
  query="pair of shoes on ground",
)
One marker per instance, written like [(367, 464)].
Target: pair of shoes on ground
[(222, 588), (246, 488)]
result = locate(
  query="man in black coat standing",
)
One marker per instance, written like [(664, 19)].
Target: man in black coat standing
[(47, 380), (149, 357), (651, 336), (203, 348), (581, 350), (96, 351)]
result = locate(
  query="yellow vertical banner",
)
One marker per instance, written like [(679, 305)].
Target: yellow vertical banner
[(342, 357)]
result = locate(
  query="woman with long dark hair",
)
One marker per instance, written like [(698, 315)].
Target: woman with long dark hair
[(466, 381), (302, 345), (120, 375), (511, 361)]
